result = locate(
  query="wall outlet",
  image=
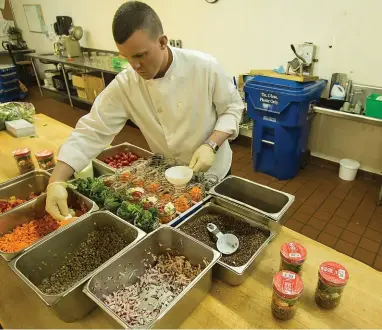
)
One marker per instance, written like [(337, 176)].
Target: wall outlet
[(178, 43), (172, 42)]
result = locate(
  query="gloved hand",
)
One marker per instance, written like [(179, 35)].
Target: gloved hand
[(202, 159), (57, 201)]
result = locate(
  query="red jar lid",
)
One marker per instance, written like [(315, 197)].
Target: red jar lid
[(333, 273), (21, 152), (293, 253), (287, 284), (44, 154)]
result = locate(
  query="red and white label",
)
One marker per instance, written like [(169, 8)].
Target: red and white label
[(287, 284), (293, 253), (333, 273)]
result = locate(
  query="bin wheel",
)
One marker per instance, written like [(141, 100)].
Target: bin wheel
[(305, 159)]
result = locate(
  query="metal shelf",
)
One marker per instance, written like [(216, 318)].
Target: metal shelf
[(52, 89)]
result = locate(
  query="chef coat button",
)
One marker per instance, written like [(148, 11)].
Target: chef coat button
[(172, 78), (180, 104)]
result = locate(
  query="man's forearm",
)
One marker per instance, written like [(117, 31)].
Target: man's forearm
[(61, 173), (219, 137)]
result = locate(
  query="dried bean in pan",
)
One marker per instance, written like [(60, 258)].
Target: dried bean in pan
[(99, 246), (250, 238)]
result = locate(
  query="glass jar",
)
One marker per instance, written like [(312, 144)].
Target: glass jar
[(182, 202), (24, 160), (134, 194), (332, 279), (166, 212), (138, 181), (148, 201), (108, 179), (120, 189), (293, 256), (152, 187), (45, 159), (196, 192), (165, 193), (287, 289)]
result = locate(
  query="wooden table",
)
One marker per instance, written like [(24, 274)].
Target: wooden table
[(245, 306)]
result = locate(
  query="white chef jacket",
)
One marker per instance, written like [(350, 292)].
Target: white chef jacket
[(175, 113)]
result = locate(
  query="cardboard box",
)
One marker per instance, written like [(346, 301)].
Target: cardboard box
[(94, 85), (20, 128), (81, 92), (78, 80)]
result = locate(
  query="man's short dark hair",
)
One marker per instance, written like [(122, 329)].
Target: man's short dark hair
[(133, 16)]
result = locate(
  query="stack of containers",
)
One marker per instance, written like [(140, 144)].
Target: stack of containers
[(281, 109), (9, 84)]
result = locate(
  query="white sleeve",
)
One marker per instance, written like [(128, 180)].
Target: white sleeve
[(227, 100), (96, 130)]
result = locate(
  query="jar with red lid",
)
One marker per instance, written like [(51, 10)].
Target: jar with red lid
[(287, 289), (24, 160), (293, 256), (45, 159), (332, 279)]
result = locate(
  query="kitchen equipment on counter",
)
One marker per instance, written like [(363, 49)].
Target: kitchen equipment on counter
[(252, 199), (69, 36), (62, 25), (230, 274), (136, 259), (374, 106), (49, 255), (25, 213), (337, 92)]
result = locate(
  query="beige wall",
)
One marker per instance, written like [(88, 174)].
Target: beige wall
[(243, 34), (335, 138)]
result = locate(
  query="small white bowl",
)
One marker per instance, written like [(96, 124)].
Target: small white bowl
[(179, 175)]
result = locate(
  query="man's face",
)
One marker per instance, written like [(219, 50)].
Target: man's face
[(144, 54)]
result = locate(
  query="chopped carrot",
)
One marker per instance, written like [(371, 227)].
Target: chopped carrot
[(25, 235), (182, 204), (196, 194)]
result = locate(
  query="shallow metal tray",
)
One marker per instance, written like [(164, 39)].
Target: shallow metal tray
[(131, 265), (100, 166), (47, 256), (26, 212), (227, 273), (258, 198), (22, 186)]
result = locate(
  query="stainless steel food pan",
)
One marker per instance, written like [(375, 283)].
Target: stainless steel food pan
[(227, 273), (46, 257), (26, 212), (22, 186), (258, 198), (125, 269), (100, 166)]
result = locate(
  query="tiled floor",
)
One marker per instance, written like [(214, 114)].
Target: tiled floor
[(339, 214)]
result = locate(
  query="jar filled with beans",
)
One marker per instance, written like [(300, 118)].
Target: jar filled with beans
[(332, 279), (45, 159), (293, 256), (287, 289), (24, 160)]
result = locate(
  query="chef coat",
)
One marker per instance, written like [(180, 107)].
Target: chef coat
[(175, 113)]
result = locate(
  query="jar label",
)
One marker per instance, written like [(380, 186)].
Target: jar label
[(287, 284), (333, 273), (293, 253)]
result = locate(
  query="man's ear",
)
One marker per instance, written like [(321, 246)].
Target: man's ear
[(163, 41)]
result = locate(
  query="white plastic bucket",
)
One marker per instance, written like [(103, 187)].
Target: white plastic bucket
[(348, 169)]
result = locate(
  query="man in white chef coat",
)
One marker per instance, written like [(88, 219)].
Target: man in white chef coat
[(182, 101)]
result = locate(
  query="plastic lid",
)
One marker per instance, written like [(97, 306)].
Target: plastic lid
[(287, 284), (293, 253), (350, 163), (21, 152), (44, 153), (333, 273)]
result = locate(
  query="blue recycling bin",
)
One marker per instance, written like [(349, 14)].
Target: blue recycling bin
[(280, 108)]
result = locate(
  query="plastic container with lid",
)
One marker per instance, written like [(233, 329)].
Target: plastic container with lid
[(287, 289), (24, 160), (332, 279), (45, 159), (182, 202), (293, 256), (166, 212), (348, 169)]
